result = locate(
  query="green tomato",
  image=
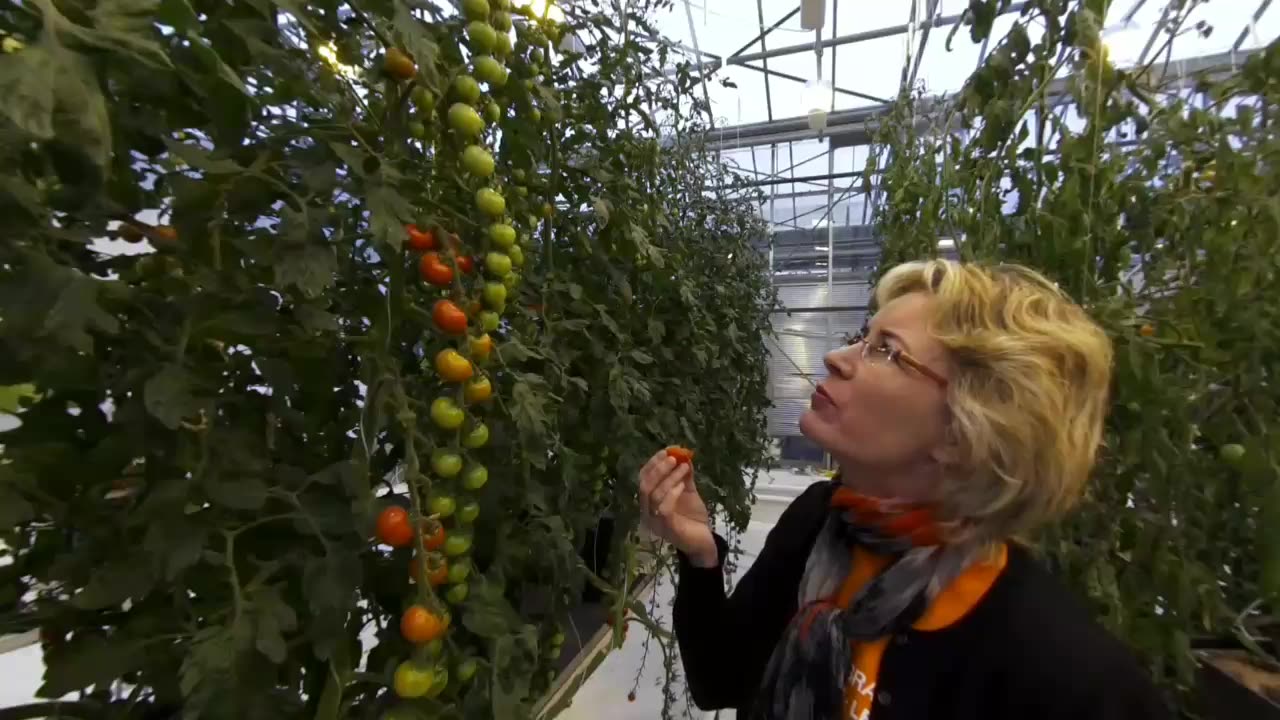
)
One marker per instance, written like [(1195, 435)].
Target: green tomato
[(557, 639), (423, 98), (475, 9), (481, 36), (502, 46), (442, 505), (511, 279), (492, 112), (468, 513), (467, 88), (502, 235), (517, 255), (417, 130), (456, 545), (533, 221), (489, 320), (465, 120), (413, 680), (435, 647), (466, 670), (501, 21), (495, 295), (475, 477), (456, 594), (446, 414), (477, 161), (498, 264), (477, 438), (441, 681), (489, 70), (535, 115), (446, 464), (490, 201), (552, 652), (459, 571), (1232, 454), (522, 191)]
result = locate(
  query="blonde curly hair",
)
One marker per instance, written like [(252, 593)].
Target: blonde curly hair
[(1028, 391)]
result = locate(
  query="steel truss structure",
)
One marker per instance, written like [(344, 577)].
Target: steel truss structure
[(818, 205)]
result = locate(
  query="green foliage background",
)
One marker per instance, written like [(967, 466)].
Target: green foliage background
[(210, 427), (1154, 202)]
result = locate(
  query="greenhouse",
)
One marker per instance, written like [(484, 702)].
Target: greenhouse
[(397, 359)]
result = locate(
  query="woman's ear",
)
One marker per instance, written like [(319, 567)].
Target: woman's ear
[(946, 452)]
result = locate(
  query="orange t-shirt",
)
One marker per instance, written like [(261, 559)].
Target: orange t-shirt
[(951, 604)]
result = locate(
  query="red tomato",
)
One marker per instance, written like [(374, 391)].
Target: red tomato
[(466, 264), (419, 625), (419, 240), (434, 271), (394, 528), (433, 536), (682, 456), (449, 317)]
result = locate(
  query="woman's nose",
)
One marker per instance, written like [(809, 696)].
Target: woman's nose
[(841, 361)]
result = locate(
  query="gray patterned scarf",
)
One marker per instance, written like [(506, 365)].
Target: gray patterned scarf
[(810, 667)]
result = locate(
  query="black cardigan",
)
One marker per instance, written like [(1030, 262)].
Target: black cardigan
[(1027, 650)]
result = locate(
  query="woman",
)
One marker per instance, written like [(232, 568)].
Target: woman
[(967, 413)]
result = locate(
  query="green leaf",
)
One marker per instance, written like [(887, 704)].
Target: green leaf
[(201, 158), (273, 619), (310, 268), (112, 584), (601, 207), (167, 396), (388, 214), (210, 58), (88, 659), (27, 83), (238, 492), (528, 408), (11, 396), (176, 542)]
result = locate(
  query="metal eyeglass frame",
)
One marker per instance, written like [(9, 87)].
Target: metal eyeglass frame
[(893, 355)]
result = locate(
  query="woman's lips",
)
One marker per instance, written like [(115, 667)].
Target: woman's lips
[(821, 398)]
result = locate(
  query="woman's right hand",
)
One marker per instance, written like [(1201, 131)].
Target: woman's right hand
[(673, 510)]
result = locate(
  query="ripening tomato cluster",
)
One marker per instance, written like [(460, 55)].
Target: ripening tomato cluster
[(466, 281)]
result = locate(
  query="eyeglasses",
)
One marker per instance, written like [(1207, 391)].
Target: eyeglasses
[(882, 354)]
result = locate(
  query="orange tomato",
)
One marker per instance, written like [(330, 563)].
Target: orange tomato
[(419, 625), (419, 240), (449, 317), (433, 536), (437, 569), (393, 527), (681, 455), (478, 390), (434, 271), (399, 65), (1146, 330), (452, 367), (165, 234)]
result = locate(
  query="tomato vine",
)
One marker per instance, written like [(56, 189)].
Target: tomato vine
[(363, 256), (1151, 199)]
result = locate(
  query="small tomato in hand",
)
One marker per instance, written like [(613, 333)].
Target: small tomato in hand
[(682, 456)]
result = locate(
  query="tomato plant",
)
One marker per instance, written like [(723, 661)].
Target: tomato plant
[(211, 425), (1150, 210)]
